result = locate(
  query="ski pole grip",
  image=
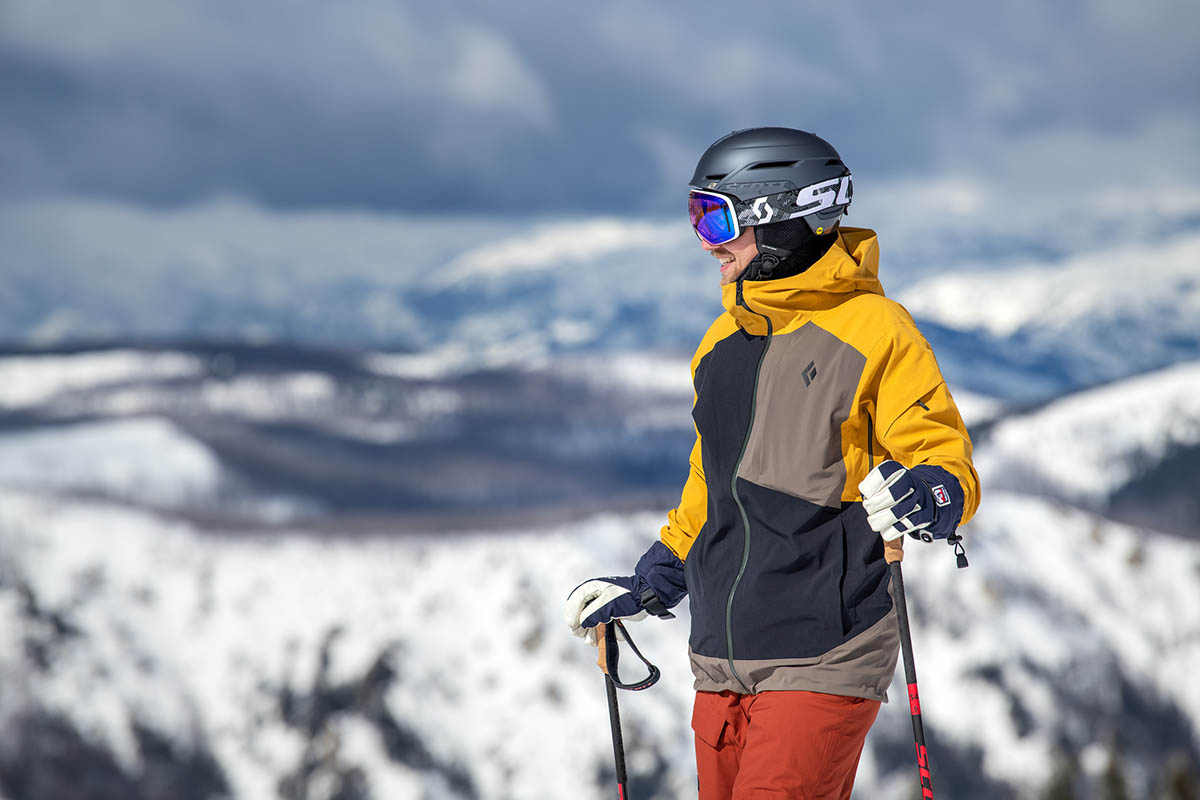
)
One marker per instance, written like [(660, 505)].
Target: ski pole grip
[(893, 551), (602, 648)]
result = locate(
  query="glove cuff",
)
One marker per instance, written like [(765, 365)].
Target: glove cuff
[(661, 583)]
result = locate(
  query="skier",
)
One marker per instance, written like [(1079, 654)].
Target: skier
[(823, 428)]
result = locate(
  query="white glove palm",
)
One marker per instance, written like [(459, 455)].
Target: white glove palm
[(600, 600)]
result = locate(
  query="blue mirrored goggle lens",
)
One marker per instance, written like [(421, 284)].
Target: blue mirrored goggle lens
[(711, 218)]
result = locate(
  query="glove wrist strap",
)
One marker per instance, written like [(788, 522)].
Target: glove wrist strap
[(651, 603)]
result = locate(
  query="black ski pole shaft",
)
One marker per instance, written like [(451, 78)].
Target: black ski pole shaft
[(607, 637), (894, 554)]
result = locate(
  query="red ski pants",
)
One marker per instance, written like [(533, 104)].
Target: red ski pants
[(794, 745)]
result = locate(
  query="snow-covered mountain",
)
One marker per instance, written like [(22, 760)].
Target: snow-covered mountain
[(321, 659), (256, 570), (263, 434), (1090, 318), (1127, 449), (435, 666)]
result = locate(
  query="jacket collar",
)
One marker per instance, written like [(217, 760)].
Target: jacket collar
[(850, 267)]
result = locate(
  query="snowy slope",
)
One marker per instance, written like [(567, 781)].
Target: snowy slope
[(432, 665), (1088, 318), (1091, 290), (201, 638), (301, 656), (1084, 447), (375, 661), (27, 381), (145, 459), (1072, 630), (276, 432)]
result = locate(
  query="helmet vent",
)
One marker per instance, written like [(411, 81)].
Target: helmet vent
[(716, 177), (772, 165), (834, 162)]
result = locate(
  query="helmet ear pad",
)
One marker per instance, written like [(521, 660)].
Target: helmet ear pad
[(787, 248)]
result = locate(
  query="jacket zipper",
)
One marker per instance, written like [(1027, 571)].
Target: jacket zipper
[(741, 301)]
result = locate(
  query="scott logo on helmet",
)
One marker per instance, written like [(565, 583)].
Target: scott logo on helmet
[(820, 196), (762, 210)]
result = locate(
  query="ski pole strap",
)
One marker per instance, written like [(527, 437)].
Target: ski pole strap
[(609, 657)]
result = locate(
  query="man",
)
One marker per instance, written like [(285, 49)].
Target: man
[(823, 428)]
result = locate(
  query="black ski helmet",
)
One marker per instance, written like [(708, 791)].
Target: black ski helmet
[(756, 162)]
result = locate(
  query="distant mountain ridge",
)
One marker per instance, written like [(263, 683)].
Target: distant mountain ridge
[(1023, 318)]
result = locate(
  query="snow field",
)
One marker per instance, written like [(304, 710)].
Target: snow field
[(1151, 282), (1052, 592), (192, 635), (195, 634), (1085, 446), (27, 381), (147, 459)]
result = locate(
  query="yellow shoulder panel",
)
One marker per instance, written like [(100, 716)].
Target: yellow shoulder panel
[(721, 327), (863, 319)]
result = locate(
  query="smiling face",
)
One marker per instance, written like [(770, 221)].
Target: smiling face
[(734, 256)]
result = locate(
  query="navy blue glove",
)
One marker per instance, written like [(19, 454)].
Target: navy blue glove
[(656, 585), (926, 502)]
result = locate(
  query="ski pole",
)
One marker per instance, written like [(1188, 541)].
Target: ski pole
[(607, 660), (893, 553), (607, 638)]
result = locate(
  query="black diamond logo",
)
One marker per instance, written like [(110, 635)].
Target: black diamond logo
[(810, 373)]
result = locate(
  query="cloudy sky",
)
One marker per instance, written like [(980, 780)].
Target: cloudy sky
[(527, 106)]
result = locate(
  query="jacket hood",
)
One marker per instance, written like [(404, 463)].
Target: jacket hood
[(851, 266)]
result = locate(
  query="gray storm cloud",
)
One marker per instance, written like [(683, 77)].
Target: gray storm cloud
[(539, 107)]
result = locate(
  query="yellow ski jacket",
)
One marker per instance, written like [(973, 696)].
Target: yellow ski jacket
[(802, 386)]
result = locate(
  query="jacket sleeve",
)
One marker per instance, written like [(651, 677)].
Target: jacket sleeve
[(685, 520), (916, 420)]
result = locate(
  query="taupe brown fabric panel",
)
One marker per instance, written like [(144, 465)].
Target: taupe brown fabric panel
[(861, 667), (805, 389)]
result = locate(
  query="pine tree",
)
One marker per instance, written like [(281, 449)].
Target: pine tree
[(1061, 785), (1179, 782), (1112, 782)]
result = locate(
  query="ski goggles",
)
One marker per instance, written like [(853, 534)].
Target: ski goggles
[(719, 218), (713, 217)]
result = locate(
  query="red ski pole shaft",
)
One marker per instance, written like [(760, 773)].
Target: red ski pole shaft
[(894, 554)]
